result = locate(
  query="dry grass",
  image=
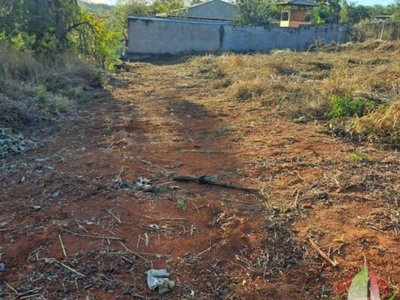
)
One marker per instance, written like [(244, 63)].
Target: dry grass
[(35, 88), (382, 126), (302, 83)]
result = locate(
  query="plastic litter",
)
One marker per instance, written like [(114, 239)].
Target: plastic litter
[(158, 279)]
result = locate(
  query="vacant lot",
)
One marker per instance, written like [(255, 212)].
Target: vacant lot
[(104, 196)]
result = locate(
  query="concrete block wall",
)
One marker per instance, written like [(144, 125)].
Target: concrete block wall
[(162, 36), (158, 36), (242, 39)]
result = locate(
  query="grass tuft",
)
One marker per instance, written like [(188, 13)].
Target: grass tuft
[(382, 126)]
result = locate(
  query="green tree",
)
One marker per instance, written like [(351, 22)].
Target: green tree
[(255, 12), (98, 9), (394, 11), (353, 13), (117, 19), (96, 41), (331, 8), (165, 6), (42, 24), (320, 15)]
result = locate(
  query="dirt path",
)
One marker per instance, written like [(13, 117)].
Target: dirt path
[(75, 223)]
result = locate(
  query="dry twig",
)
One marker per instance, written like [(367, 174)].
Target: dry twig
[(116, 218), (154, 166), (69, 268), (62, 247), (323, 255), (94, 236), (133, 252), (204, 151)]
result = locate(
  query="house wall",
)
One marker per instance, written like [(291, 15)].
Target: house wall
[(159, 36)]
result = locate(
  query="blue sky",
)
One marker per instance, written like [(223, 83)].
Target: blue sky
[(362, 2)]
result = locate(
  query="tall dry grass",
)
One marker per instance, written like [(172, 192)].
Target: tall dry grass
[(35, 88)]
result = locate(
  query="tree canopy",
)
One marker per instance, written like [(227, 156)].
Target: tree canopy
[(256, 12)]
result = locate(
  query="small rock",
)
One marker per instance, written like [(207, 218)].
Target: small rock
[(2, 267), (55, 194), (37, 207), (39, 160), (49, 261), (147, 188), (302, 119)]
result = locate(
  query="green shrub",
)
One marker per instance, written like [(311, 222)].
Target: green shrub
[(345, 107)]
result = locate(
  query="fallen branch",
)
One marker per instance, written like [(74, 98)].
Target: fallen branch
[(323, 255), (207, 180)]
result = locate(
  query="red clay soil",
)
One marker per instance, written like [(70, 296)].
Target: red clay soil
[(76, 224)]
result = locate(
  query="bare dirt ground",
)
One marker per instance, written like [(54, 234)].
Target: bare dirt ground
[(76, 225)]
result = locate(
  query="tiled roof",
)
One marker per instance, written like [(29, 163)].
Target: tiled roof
[(212, 10), (298, 3)]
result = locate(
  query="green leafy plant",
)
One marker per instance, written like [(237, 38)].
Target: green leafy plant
[(345, 107), (41, 93), (359, 285), (181, 203), (357, 156)]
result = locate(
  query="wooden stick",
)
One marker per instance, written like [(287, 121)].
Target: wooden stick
[(69, 268), (323, 255), (20, 296), (154, 166), (205, 180), (62, 246), (30, 296), (11, 287), (116, 218), (133, 252), (93, 236), (204, 151)]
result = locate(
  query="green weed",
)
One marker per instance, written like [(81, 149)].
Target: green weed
[(357, 156), (41, 93), (345, 107), (181, 203)]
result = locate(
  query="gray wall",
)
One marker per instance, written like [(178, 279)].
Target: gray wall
[(160, 36)]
